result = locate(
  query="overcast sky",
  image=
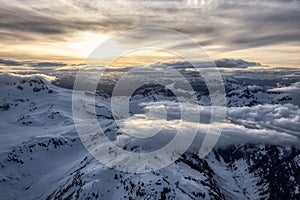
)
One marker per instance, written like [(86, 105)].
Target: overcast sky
[(265, 31)]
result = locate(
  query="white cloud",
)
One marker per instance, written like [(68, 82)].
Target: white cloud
[(293, 90), (271, 124)]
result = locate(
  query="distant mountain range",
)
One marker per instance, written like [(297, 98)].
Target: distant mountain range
[(42, 156)]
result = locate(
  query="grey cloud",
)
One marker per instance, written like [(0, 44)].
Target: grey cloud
[(31, 63), (236, 26), (231, 24), (21, 23), (14, 19), (233, 63), (10, 62), (221, 63), (48, 64)]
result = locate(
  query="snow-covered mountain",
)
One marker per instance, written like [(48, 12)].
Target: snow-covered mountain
[(42, 156)]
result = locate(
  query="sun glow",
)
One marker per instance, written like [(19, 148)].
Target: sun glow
[(83, 44)]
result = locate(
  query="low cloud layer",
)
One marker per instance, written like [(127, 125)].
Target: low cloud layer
[(262, 124), (31, 63), (293, 90)]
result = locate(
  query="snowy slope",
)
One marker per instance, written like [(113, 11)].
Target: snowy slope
[(42, 156)]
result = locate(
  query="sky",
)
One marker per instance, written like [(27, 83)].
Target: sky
[(67, 31)]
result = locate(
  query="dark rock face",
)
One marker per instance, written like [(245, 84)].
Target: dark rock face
[(276, 167), (4, 107)]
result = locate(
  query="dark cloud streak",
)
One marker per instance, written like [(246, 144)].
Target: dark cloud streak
[(31, 63), (231, 24)]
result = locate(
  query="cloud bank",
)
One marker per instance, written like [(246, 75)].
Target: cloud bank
[(262, 124)]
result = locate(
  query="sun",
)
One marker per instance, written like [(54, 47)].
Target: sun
[(94, 47), (84, 43)]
